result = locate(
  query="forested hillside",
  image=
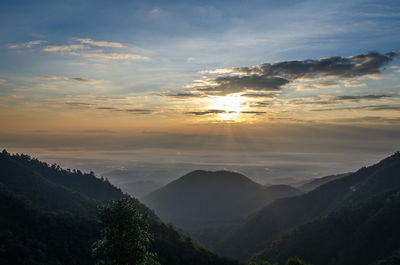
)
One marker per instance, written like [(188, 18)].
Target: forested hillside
[(281, 216), (48, 217)]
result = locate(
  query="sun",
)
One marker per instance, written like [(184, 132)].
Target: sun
[(230, 106)]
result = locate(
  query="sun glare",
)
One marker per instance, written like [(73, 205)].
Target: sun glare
[(230, 106)]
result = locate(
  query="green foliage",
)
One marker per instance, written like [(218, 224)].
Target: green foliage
[(295, 261), (282, 216), (125, 235), (262, 262), (290, 261), (47, 216), (358, 234)]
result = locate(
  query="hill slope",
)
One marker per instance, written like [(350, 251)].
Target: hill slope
[(47, 217), (275, 219), (207, 204), (355, 235), (315, 183)]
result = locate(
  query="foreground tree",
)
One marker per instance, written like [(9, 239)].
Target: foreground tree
[(125, 235)]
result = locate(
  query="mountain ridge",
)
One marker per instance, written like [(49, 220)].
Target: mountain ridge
[(282, 215)]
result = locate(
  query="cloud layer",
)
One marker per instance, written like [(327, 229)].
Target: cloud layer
[(315, 73)]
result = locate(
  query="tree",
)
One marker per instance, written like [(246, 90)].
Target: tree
[(125, 235), (289, 261), (295, 261)]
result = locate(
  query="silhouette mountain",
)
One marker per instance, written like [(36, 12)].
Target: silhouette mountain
[(358, 234), (47, 217), (207, 204), (283, 215), (315, 183)]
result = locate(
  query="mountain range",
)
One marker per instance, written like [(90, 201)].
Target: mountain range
[(266, 233), (47, 216)]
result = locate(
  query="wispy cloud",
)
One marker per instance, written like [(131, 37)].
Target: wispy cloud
[(110, 108), (369, 108), (79, 104), (110, 55), (85, 49), (366, 97), (211, 111), (259, 95), (99, 43), (28, 44), (77, 79), (64, 48), (155, 10), (182, 95)]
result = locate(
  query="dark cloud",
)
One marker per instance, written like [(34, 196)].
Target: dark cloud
[(259, 104), (211, 111), (368, 119), (366, 97), (335, 100), (79, 104), (272, 77), (370, 108), (253, 112), (344, 67), (107, 108), (184, 95), (259, 95), (234, 84), (138, 111), (79, 79)]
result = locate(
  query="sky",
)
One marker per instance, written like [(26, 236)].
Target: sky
[(291, 89)]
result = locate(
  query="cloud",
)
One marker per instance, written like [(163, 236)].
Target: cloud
[(183, 95), (326, 100), (107, 108), (110, 55), (343, 67), (138, 111), (259, 95), (369, 108), (353, 83), (211, 111), (28, 44), (253, 112), (234, 84), (54, 78), (155, 10), (366, 97), (79, 104), (64, 48), (99, 43), (87, 51), (327, 72), (77, 79)]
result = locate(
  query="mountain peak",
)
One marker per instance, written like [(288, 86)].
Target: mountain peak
[(219, 175)]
